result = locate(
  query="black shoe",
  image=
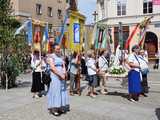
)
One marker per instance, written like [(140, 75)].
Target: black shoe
[(54, 112), (62, 110), (144, 95), (67, 108)]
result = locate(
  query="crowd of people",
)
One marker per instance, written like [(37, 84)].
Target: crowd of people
[(91, 67)]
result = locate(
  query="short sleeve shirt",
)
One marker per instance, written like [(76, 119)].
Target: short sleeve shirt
[(134, 59), (103, 63), (90, 66), (73, 69)]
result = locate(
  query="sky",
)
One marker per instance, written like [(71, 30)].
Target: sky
[(87, 7)]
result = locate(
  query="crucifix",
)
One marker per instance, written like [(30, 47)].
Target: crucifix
[(95, 14)]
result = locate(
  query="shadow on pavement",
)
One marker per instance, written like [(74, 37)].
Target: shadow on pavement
[(158, 113), (24, 84), (124, 95), (117, 87)]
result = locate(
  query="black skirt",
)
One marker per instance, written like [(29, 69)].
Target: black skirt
[(37, 85)]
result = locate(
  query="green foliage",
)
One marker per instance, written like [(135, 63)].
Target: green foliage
[(12, 50), (117, 71)]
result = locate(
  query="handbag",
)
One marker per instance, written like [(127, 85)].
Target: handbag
[(46, 79), (144, 67), (145, 71)]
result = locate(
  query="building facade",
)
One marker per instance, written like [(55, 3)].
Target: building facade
[(128, 13), (51, 11)]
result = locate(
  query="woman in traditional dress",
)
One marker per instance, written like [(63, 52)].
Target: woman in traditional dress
[(134, 75), (57, 95)]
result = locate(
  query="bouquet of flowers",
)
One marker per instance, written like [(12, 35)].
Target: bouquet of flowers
[(117, 70)]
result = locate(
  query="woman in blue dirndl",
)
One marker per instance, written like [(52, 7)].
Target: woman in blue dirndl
[(57, 95), (134, 75)]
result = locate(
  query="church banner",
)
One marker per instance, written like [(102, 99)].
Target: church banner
[(76, 33)]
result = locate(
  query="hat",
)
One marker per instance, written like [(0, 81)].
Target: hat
[(135, 47)]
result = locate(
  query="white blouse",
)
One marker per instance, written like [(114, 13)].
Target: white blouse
[(135, 60), (91, 67)]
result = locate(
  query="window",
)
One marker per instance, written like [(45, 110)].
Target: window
[(67, 1), (39, 9), (49, 11), (102, 8), (147, 6), (121, 7), (102, 4), (49, 28), (59, 14)]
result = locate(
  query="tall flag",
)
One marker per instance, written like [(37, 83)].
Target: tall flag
[(134, 32), (110, 36), (145, 23), (22, 27), (29, 32), (37, 37), (94, 34), (109, 41), (45, 34), (96, 41), (138, 34), (100, 36), (45, 41), (142, 37), (27, 26), (104, 40), (156, 2), (63, 28)]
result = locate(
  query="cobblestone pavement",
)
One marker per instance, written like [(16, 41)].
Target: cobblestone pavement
[(18, 104)]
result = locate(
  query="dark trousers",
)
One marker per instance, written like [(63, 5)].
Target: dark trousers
[(144, 84), (72, 82), (77, 82), (156, 64)]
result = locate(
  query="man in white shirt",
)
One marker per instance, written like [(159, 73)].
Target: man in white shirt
[(92, 73), (144, 71)]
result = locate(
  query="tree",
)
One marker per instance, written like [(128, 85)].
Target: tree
[(11, 48)]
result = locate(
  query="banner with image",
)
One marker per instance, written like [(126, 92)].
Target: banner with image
[(76, 29)]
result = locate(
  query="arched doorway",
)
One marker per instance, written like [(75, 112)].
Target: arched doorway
[(151, 45)]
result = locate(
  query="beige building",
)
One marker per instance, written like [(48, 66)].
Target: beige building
[(129, 13), (51, 11)]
